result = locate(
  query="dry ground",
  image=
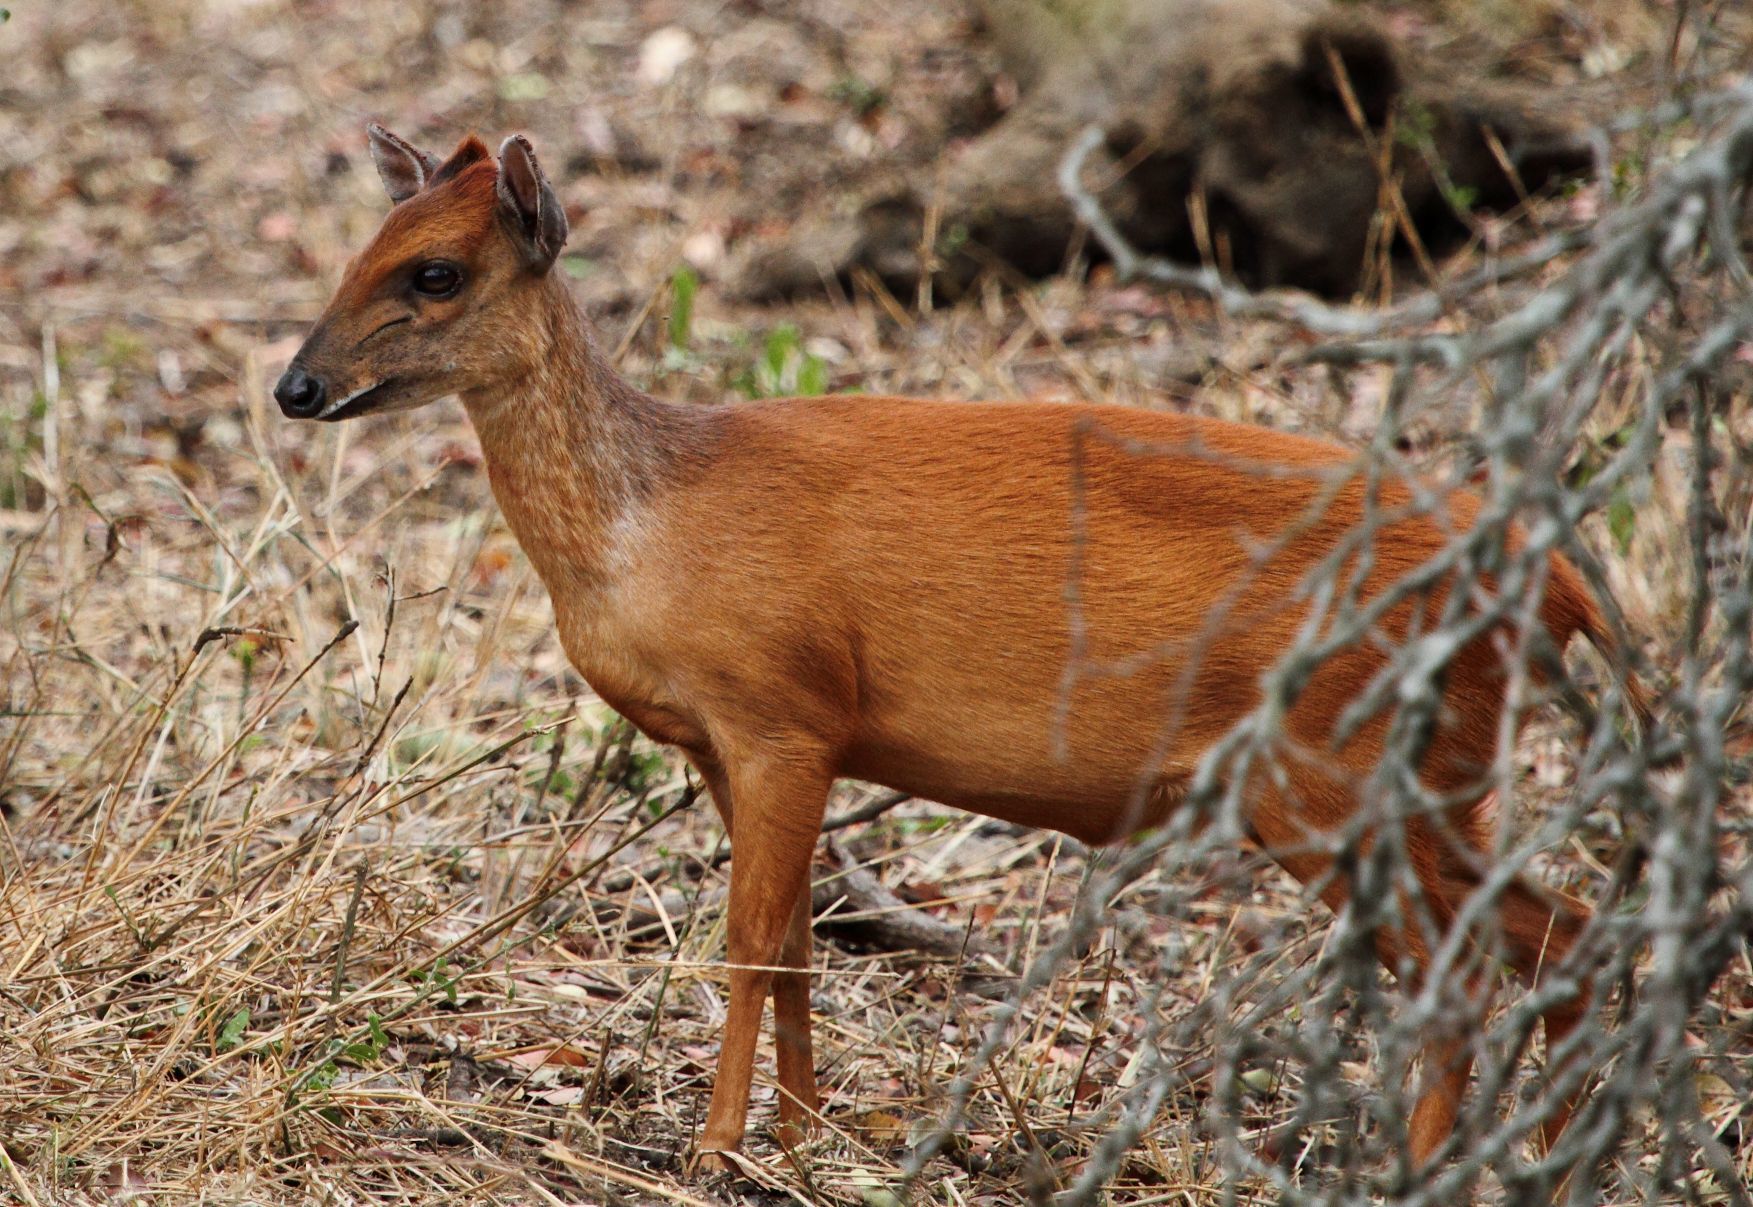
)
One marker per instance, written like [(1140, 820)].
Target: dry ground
[(290, 759)]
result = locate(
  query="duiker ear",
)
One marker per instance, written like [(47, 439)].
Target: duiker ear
[(405, 168), (529, 204)]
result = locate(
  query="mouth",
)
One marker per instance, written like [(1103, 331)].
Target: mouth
[(359, 402)]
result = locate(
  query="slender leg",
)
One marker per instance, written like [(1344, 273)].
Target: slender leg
[(1446, 1059), (791, 1024), (1446, 1063), (779, 806), (718, 784), (791, 990), (1445, 857), (1560, 1021), (1540, 928)]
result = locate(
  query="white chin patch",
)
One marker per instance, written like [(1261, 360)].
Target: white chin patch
[(333, 407)]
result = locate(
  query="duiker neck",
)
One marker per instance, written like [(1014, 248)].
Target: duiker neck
[(574, 451)]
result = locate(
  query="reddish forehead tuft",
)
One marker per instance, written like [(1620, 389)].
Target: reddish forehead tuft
[(451, 217)]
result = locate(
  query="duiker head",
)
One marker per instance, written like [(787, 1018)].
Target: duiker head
[(439, 301)]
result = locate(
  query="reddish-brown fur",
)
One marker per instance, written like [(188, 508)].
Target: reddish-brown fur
[(794, 591)]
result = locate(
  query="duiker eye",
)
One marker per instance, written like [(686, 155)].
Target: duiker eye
[(437, 279)]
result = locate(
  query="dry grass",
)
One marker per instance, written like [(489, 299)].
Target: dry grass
[(325, 879)]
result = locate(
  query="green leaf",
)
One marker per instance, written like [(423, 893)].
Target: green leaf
[(525, 86), (367, 1050), (435, 976), (780, 345), (858, 94), (1261, 1081), (683, 286), (1416, 127), (812, 377), (1621, 519), (1462, 198), (231, 1033), (323, 1078), (952, 240)]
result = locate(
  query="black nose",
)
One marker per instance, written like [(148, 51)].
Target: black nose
[(299, 394)]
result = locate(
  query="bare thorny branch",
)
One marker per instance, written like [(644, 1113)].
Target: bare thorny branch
[(1651, 313)]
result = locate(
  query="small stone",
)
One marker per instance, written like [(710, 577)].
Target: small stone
[(730, 100), (704, 250), (662, 54)]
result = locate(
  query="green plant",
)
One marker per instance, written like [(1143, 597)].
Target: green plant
[(366, 1051), (1621, 517), (679, 329), (1415, 129), (645, 770), (683, 286), (785, 369), (20, 438), (857, 94), (435, 977), (231, 1032)]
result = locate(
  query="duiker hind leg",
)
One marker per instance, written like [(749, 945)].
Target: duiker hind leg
[(1539, 928), (1288, 825), (791, 1025)]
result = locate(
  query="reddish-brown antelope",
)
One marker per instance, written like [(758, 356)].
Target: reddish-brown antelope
[(798, 590)]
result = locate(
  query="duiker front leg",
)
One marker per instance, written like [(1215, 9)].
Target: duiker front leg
[(778, 807)]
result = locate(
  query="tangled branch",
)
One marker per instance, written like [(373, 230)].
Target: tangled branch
[(1635, 338)]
